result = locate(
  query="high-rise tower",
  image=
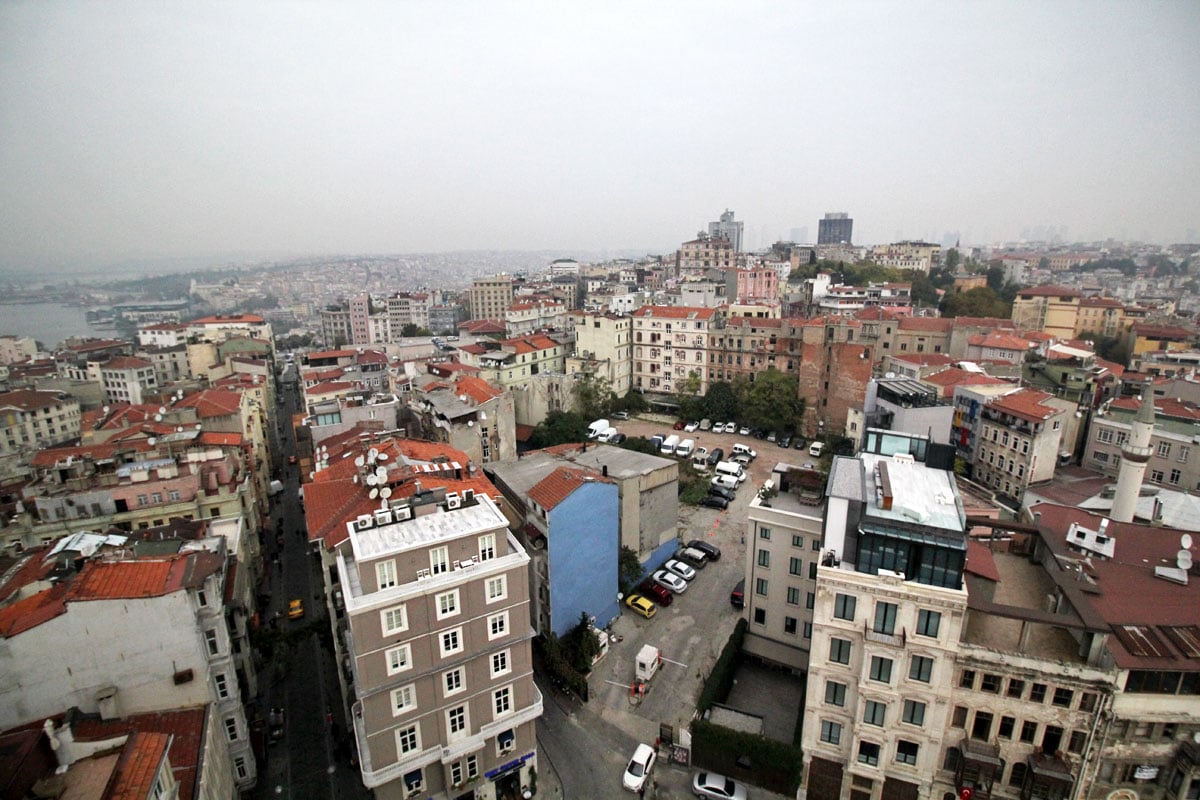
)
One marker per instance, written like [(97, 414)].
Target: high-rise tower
[(727, 228), (1134, 456), (836, 228)]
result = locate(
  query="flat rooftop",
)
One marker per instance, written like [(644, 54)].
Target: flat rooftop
[(427, 529), (920, 494)]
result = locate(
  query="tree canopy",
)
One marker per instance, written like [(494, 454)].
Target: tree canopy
[(978, 302), (559, 427), (772, 401), (592, 397)]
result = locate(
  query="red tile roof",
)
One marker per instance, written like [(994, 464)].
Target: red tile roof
[(1129, 592), (30, 612), (323, 354), (126, 362), (926, 324), (477, 389), (675, 312), (1000, 341), (947, 379), (329, 387), (29, 399), (482, 326), (44, 459), (151, 577), (185, 728), (1167, 406), (983, 322), (213, 403), (137, 769), (980, 561), (1147, 331), (1028, 404), (560, 484), (924, 359), (215, 438)]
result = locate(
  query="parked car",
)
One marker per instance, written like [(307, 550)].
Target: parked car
[(638, 770), (706, 424), (653, 591), (742, 449), (713, 501), (679, 568), (620, 415), (718, 427), (695, 558), (799, 443), (737, 598), (679, 425), (670, 580), (731, 427), (292, 459), (741, 459), (716, 456), (691, 426), (772, 436), (711, 551), (717, 787), (617, 438), (725, 481), (784, 441), (641, 605), (275, 724), (720, 491), (744, 430), (296, 609)]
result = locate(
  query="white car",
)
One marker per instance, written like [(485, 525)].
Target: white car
[(681, 569), (670, 581), (691, 427), (718, 427), (731, 427), (744, 430), (725, 481), (639, 768)]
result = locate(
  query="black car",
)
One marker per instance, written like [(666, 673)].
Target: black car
[(784, 441), (720, 491), (716, 456), (712, 501), (617, 438), (737, 598), (711, 550), (800, 443)]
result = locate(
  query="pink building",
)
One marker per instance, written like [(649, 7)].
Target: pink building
[(756, 285)]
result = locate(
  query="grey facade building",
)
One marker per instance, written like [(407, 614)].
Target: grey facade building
[(727, 228), (836, 228)]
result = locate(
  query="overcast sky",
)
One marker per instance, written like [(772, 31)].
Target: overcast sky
[(172, 129)]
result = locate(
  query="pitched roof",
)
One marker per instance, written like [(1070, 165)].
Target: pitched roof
[(185, 729), (141, 758), (148, 577), (477, 389), (926, 324), (950, 377), (29, 399), (212, 402), (30, 612), (561, 484), (1048, 291), (1000, 341), (675, 312), (1028, 404)]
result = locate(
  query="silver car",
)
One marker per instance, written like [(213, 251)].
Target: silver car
[(679, 568), (671, 581), (710, 784)]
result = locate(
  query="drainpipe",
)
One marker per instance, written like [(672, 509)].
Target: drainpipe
[(1104, 714)]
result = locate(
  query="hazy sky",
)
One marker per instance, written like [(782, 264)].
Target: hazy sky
[(158, 129)]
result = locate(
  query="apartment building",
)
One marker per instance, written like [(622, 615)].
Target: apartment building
[(1174, 458), (921, 256), (1020, 440), (1050, 309), (1101, 316), (224, 326), (671, 347), (15, 349), (696, 258), (525, 316), (603, 348), (756, 285), (514, 362), (31, 420), (783, 529), (407, 308), (360, 318), (969, 401), (335, 326), (888, 614), (746, 346), (146, 634), (467, 413), (491, 297), (437, 606), (834, 366)]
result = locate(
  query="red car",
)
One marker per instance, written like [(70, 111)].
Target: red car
[(659, 594), (679, 425)]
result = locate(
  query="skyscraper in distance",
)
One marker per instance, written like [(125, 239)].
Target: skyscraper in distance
[(727, 228), (836, 228)]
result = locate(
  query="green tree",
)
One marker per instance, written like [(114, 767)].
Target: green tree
[(978, 302), (412, 329), (953, 259), (772, 401), (559, 427), (633, 402), (591, 396), (1110, 348), (691, 404), (629, 569), (721, 402)]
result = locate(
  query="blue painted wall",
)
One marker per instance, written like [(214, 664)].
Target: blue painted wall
[(583, 545), (659, 557)]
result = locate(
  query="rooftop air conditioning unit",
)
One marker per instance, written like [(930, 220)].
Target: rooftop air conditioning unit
[(453, 500), (468, 495), (363, 523)]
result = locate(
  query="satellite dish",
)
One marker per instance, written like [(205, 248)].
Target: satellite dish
[(381, 472), (374, 493), (385, 492), (199, 425), (358, 462), (372, 454), (106, 409), (151, 441), (372, 480), (1183, 560), (158, 417), (1185, 541), (383, 456), (162, 409)]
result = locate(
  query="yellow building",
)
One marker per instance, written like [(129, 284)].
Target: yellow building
[(1050, 309)]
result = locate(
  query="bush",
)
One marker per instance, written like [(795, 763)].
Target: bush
[(720, 681), (692, 485)]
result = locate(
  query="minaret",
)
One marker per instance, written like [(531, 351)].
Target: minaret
[(1134, 456)]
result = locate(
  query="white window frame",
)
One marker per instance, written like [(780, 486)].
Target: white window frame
[(496, 588), (386, 620), (399, 659), (455, 677), (439, 560), (212, 641), (402, 734), (487, 547), (463, 713), (448, 604), (506, 657), (231, 728), (498, 625), (221, 681), (404, 699), (502, 695), (457, 633), (385, 573)]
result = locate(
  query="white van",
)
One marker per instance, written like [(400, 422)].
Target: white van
[(816, 448), (731, 469), (725, 481), (669, 444), (685, 448), (596, 428), (607, 435), (740, 449)]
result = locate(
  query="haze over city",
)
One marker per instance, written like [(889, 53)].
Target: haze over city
[(143, 131)]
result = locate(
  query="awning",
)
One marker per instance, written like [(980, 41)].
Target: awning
[(506, 738), (412, 780)]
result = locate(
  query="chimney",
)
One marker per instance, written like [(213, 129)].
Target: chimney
[(604, 470), (108, 704), (62, 742)]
